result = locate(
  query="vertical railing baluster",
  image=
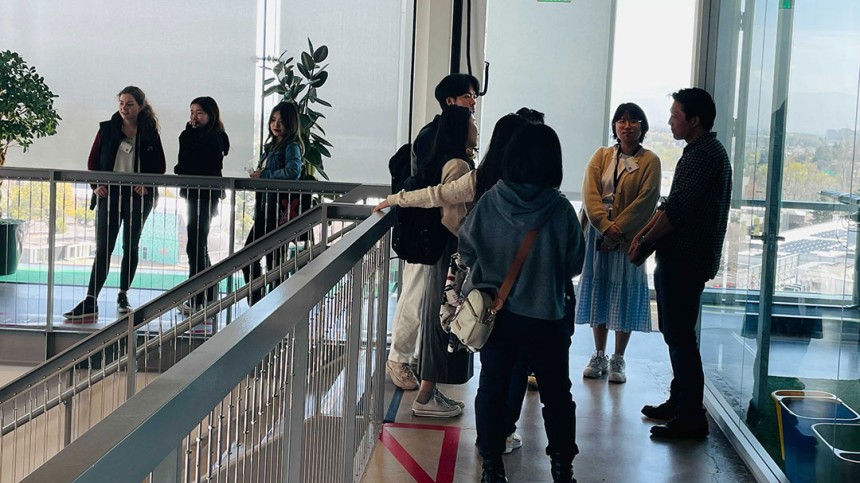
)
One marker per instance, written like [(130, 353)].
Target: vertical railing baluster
[(52, 246), (170, 469), (353, 339), (294, 431)]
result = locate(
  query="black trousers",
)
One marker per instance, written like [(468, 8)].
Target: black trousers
[(679, 295), (543, 346), (121, 208), (265, 221), (200, 213)]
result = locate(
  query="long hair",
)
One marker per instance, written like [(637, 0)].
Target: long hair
[(147, 117), (210, 107), (290, 118), (490, 170), (451, 137)]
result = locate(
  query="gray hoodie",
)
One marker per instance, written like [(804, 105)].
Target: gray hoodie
[(492, 233)]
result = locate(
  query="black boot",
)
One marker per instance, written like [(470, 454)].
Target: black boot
[(494, 472), (561, 468)]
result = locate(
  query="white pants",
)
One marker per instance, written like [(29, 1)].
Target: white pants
[(407, 317)]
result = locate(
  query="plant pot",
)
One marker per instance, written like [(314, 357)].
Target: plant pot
[(11, 244)]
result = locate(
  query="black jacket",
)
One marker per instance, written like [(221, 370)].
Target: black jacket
[(201, 153)]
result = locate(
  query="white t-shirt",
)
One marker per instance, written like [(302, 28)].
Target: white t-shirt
[(125, 156)]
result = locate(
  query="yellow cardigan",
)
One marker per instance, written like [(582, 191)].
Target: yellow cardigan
[(635, 198)]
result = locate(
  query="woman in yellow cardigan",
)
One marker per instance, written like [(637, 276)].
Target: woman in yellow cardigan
[(619, 195)]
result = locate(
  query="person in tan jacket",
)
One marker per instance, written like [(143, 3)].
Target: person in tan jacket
[(619, 194)]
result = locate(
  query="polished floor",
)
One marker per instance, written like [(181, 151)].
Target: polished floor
[(612, 435)]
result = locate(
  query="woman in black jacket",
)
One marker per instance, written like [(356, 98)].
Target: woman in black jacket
[(127, 143), (202, 147)]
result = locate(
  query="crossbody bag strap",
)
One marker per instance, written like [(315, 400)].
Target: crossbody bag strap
[(514, 271)]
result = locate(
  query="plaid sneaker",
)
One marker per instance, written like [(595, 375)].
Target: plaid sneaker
[(401, 375)]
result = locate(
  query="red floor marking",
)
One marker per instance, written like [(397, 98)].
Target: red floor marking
[(447, 457)]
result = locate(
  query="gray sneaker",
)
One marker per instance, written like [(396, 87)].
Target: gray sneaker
[(597, 366), (401, 375), (451, 401), (436, 407), (616, 369)]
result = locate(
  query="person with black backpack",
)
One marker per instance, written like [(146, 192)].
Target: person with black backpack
[(448, 160), (455, 89)]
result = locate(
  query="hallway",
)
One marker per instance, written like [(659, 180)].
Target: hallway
[(612, 435)]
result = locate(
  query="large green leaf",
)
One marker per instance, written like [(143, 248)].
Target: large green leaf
[(310, 45), (304, 70), (315, 115), (308, 62), (322, 149), (278, 68), (320, 54), (319, 79), (320, 140), (269, 80), (325, 103)]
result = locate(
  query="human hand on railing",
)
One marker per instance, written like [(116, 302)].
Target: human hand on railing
[(255, 173), (101, 191), (381, 206), (141, 190)]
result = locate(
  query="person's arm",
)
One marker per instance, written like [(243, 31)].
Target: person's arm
[(93, 164), (292, 165), (636, 214), (453, 214), (656, 229), (460, 190), (576, 245), (592, 197)]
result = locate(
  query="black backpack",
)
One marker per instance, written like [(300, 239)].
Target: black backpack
[(418, 235)]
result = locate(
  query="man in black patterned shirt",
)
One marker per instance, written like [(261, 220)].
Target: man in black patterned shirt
[(687, 232)]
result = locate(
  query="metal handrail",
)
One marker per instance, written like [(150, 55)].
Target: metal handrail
[(137, 436), (165, 302)]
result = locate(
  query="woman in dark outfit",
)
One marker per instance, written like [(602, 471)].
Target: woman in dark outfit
[(281, 159), (531, 326), (202, 147), (127, 143)]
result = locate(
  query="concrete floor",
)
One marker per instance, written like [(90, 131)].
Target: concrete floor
[(612, 435)]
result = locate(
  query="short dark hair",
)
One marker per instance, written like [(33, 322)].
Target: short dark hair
[(533, 156), (455, 85), (696, 102), (531, 115), (635, 112)]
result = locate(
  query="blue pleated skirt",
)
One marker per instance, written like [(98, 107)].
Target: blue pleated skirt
[(612, 291)]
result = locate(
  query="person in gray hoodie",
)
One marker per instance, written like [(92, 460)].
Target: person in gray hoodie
[(531, 325)]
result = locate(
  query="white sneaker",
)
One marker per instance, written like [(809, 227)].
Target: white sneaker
[(451, 401), (401, 375), (616, 369), (597, 366), (514, 441), (436, 407)]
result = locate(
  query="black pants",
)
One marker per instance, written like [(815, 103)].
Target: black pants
[(120, 207), (543, 345), (265, 221), (679, 294), (200, 213)]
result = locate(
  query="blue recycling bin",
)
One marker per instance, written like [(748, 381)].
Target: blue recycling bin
[(838, 452), (798, 415)]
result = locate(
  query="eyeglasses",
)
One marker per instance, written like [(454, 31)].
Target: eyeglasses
[(470, 95), (628, 122)]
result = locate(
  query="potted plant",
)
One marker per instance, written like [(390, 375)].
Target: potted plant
[(302, 89), (26, 113)]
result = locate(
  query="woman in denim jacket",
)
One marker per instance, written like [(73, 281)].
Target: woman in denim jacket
[(281, 159)]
